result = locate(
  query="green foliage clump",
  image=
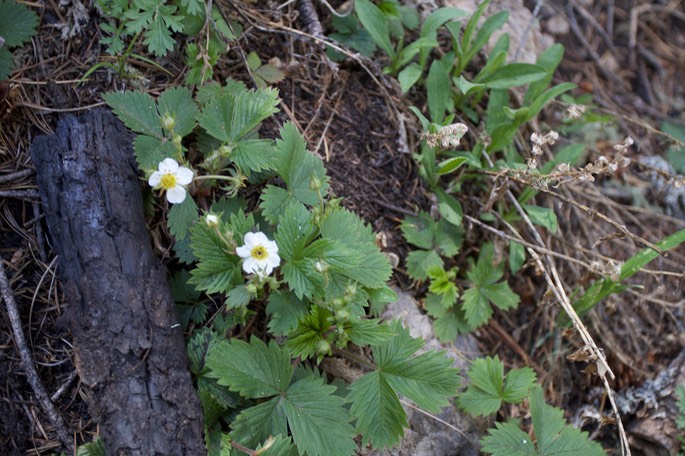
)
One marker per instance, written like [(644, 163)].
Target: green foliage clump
[(17, 26)]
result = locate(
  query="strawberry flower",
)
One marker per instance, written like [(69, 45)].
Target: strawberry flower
[(260, 254), (172, 179)]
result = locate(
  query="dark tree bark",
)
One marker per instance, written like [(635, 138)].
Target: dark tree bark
[(127, 348)]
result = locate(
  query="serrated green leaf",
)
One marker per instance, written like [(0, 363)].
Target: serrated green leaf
[(151, 151), (501, 295), (419, 261), (277, 446), (217, 271), (380, 417), (234, 114), (518, 383), (178, 103), (198, 346), (449, 322), (254, 155), (6, 63), (237, 297), (137, 110), (476, 307), (318, 422), (508, 440), (255, 424), (254, 370), (285, 310), (369, 332), (448, 238), (181, 217), (313, 328), (275, 200), (17, 23)]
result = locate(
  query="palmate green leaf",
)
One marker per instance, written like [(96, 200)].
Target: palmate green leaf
[(487, 388), (318, 422), (255, 370), (137, 110), (231, 116), (178, 103), (17, 23), (554, 437), (427, 379), (181, 217)]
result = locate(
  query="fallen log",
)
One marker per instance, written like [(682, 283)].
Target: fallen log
[(128, 348)]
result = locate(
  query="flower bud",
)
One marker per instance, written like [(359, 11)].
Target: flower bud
[(168, 122), (323, 346), (251, 288), (212, 220)]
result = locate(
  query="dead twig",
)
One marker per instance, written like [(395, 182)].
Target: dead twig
[(27, 363)]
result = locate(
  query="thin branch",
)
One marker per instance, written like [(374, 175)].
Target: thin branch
[(27, 363)]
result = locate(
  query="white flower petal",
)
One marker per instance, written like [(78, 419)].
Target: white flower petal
[(251, 240), (250, 265), (243, 251), (184, 176), (176, 195), (168, 165), (155, 179)]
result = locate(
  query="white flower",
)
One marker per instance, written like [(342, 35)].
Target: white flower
[(260, 254), (172, 179)]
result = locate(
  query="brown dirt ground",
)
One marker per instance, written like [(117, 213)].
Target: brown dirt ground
[(351, 122)]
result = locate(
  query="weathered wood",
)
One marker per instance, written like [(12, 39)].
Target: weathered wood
[(128, 350)]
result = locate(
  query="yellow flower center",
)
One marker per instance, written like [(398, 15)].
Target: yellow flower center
[(259, 252), (168, 181)]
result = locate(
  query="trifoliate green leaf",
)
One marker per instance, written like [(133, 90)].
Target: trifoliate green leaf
[(254, 370), (483, 276), (137, 110), (419, 261), (285, 310), (235, 114), (449, 321), (487, 388), (178, 103), (17, 23), (181, 217), (554, 436), (318, 422), (427, 379), (298, 167)]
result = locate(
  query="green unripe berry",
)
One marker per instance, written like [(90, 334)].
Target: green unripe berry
[(323, 346), (168, 122)]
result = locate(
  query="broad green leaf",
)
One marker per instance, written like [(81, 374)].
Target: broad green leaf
[(413, 48), (375, 22), (513, 75), (450, 165), (178, 103), (254, 155), (491, 25), (449, 207), (495, 62), (278, 446), (517, 256), (318, 422), (438, 91), (547, 96), (542, 216), (254, 370), (518, 384), (464, 86), (137, 110), (151, 151), (181, 217), (409, 76), (419, 230), (438, 18), (549, 59)]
